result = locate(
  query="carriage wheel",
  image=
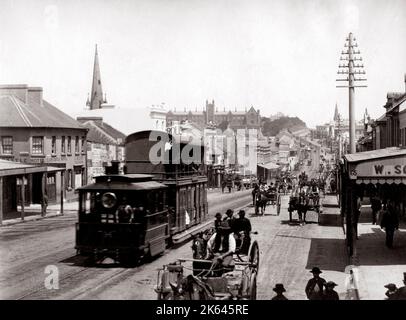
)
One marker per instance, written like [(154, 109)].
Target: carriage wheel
[(278, 208), (253, 255), (253, 287)]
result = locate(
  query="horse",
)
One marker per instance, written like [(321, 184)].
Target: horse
[(260, 202), (299, 203)]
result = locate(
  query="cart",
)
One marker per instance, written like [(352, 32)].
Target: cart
[(237, 284)]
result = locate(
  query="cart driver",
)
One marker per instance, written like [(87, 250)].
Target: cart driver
[(221, 247)]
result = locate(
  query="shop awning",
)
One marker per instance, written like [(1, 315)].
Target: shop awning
[(383, 166), (381, 181), (12, 168), (269, 166)]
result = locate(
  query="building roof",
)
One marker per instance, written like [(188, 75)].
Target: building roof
[(101, 132), (32, 114), (125, 120), (375, 154)]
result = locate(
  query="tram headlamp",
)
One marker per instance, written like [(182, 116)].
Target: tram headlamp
[(109, 200)]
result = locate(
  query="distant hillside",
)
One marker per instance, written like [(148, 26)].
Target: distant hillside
[(272, 128)]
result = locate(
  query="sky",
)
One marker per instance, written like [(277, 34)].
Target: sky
[(272, 55)]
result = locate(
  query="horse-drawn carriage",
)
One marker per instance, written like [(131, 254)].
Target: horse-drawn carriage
[(305, 199), (207, 280), (263, 198)]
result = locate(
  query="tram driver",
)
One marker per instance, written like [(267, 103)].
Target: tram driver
[(124, 212), (221, 247)]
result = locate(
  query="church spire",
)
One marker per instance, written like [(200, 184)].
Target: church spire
[(96, 98), (336, 115)]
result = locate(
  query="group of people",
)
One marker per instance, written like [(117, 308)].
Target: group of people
[(229, 232), (384, 213), (317, 288)]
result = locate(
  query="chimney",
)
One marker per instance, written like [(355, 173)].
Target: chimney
[(18, 90), (35, 95)]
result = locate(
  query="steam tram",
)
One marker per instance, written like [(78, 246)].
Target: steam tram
[(139, 213)]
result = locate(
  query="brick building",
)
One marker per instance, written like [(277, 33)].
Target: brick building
[(104, 144), (33, 131)]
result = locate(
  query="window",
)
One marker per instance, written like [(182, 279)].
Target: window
[(69, 179), (63, 149), (7, 145), (69, 144), (77, 145), (83, 144), (37, 145), (53, 151)]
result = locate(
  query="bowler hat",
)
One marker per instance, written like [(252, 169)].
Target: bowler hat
[(279, 288), (229, 211), (316, 270), (218, 214), (391, 286), (331, 284)]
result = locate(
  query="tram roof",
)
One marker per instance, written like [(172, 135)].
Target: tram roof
[(130, 177), (123, 186)]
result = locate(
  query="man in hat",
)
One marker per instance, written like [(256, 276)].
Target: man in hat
[(279, 289), (242, 230), (217, 220), (401, 293), (392, 291), (230, 218), (329, 292), (314, 287), (221, 247), (389, 222)]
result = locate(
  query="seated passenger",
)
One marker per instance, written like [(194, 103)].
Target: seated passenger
[(221, 247), (242, 232)]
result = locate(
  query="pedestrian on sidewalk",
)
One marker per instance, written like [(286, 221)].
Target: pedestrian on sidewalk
[(401, 293), (376, 206), (390, 222), (315, 286), (279, 289), (392, 291), (329, 292), (44, 204), (357, 214)]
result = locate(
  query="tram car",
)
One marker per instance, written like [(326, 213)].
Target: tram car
[(137, 214)]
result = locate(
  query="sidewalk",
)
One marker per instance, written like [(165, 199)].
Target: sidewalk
[(33, 213), (379, 265)]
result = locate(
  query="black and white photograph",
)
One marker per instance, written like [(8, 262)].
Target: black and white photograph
[(222, 150)]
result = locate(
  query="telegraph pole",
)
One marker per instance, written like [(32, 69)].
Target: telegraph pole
[(351, 68)]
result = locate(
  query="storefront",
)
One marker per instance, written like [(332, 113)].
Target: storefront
[(25, 184), (379, 172), (268, 172)]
